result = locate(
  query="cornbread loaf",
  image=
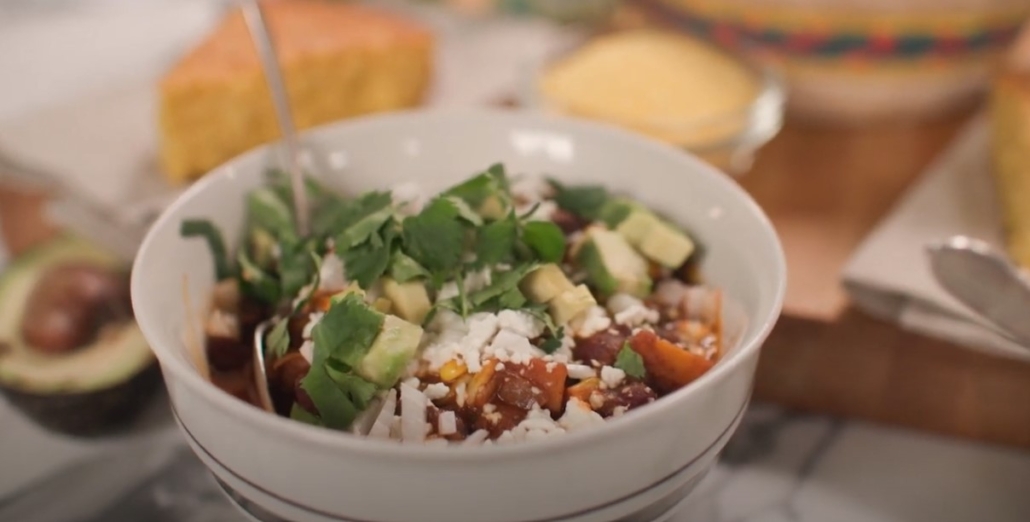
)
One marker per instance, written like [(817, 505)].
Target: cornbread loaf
[(338, 60), (1010, 121), (661, 83)]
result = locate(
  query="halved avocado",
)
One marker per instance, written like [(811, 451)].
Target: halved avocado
[(91, 390)]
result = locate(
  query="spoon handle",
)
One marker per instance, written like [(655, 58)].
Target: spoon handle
[(985, 281), (280, 100)]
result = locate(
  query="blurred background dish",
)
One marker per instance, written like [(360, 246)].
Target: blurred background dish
[(861, 60), (671, 87)]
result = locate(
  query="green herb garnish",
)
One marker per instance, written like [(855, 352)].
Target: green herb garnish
[(585, 201), (403, 268), (630, 362), (546, 239), (496, 243), (277, 343), (435, 238), (207, 230), (255, 282), (347, 330)]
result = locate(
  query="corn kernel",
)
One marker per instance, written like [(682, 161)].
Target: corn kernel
[(452, 370)]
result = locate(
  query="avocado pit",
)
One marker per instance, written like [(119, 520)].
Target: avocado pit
[(70, 305)]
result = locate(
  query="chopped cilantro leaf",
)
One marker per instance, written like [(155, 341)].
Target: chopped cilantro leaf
[(465, 211), (335, 409), (546, 239), (297, 264), (347, 330), (630, 362), (366, 263), (502, 282), (435, 237), (495, 243), (255, 282), (358, 390), (277, 341), (585, 201), (553, 343), (476, 190), (207, 230), (268, 211), (403, 268), (368, 215), (540, 312), (315, 281), (511, 299), (300, 414)]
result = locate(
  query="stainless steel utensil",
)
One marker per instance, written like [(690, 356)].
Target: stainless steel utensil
[(260, 373), (273, 74), (986, 281)]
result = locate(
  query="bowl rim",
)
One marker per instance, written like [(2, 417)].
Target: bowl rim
[(302, 433)]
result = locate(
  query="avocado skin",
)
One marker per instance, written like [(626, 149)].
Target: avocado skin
[(89, 414)]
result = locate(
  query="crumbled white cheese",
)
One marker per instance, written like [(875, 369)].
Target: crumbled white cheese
[(619, 411), (413, 382), (506, 438), (437, 390), (537, 424), (521, 323), (331, 274), (447, 291), (637, 315), (611, 376), (489, 408), (508, 346), (477, 437), (460, 393), (478, 280), (499, 367), (408, 197), (532, 188), (630, 311), (313, 321), (447, 423), (594, 320), (413, 414), (381, 426), (307, 350), (578, 416), (580, 371), (482, 328), (222, 324)]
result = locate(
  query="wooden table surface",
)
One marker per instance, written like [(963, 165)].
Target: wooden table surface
[(824, 189)]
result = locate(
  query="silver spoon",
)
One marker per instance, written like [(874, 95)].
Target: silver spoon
[(265, 45), (262, 37), (986, 281), (260, 372)]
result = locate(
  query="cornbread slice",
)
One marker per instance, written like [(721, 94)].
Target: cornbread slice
[(338, 59), (1010, 154)]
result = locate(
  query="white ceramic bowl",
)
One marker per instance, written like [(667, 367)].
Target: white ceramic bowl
[(650, 456)]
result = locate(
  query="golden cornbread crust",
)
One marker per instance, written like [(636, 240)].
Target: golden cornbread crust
[(338, 59), (1010, 128)]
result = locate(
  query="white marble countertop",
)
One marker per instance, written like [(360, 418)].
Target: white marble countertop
[(780, 466)]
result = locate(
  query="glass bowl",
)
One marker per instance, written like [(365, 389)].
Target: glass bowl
[(727, 140)]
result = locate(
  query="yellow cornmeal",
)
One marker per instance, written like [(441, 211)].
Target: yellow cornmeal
[(660, 83)]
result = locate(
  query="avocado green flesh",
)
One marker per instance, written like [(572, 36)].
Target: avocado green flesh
[(119, 352), (391, 351)]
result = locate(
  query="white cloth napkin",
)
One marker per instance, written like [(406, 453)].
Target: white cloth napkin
[(889, 275)]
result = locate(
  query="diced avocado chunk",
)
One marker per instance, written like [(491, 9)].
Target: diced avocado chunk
[(571, 303), (615, 211), (410, 300), (658, 240), (612, 265), (666, 246), (492, 208), (351, 288), (390, 353), (637, 225), (545, 283), (382, 305)]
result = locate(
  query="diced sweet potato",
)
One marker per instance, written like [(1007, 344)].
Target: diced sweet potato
[(548, 378), (602, 347), (628, 396), (669, 366), (500, 419), (584, 388)]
